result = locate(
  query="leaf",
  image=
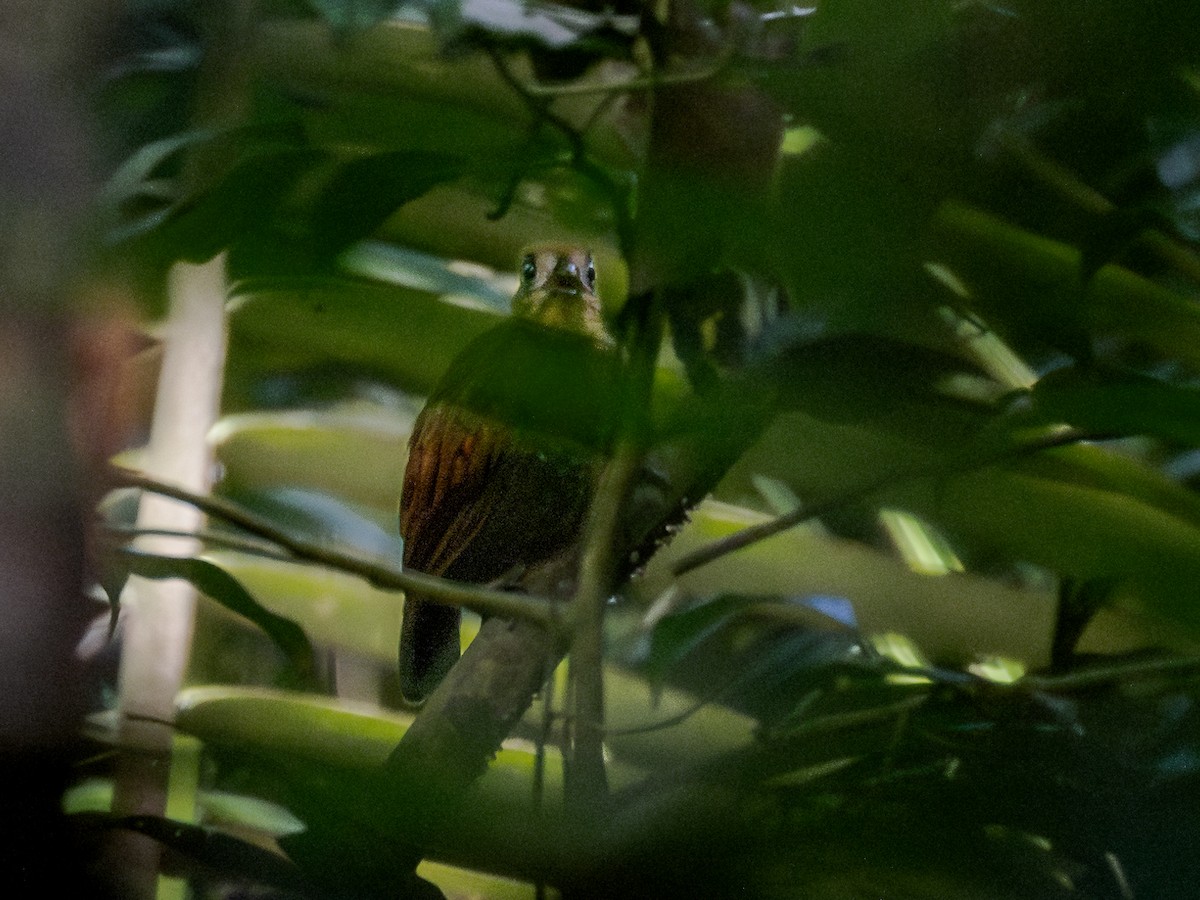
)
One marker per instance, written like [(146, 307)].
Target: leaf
[(1031, 283), (243, 206), (364, 192), (128, 181), (334, 608), (678, 635), (228, 591), (210, 850), (1119, 403), (855, 378), (1078, 529), (324, 519), (1113, 234), (336, 735), (357, 459), (403, 336)]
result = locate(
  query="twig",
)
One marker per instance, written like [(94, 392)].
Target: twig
[(586, 782), (899, 710), (1101, 675), (755, 533), (250, 546), (711, 69), (539, 108), (374, 571)]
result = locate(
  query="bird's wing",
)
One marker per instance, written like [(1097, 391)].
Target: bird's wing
[(451, 459)]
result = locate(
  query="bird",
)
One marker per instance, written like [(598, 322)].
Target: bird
[(504, 455)]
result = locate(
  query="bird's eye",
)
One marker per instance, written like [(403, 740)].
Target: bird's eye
[(591, 274), (528, 269)]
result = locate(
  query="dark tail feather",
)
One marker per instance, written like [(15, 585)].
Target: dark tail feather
[(429, 646)]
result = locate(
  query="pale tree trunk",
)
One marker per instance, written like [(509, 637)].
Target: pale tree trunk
[(158, 615)]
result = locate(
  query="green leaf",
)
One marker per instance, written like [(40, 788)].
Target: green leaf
[(355, 458), (130, 179), (407, 337), (228, 591), (243, 206), (208, 849), (336, 734), (364, 192), (1113, 234), (861, 378), (1119, 403), (680, 634), (334, 608), (1080, 530), (1031, 284)]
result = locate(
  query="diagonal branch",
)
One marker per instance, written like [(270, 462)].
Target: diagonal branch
[(1059, 437), (375, 571)]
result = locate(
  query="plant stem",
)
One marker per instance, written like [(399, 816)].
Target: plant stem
[(1106, 674), (803, 513), (585, 777), (377, 572)]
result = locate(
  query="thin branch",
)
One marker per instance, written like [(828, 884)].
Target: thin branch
[(803, 513), (710, 69), (539, 108), (250, 546), (586, 781), (856, 718), (1102, 675), (378, 573)]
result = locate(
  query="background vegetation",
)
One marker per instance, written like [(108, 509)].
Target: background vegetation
[(926, 283)]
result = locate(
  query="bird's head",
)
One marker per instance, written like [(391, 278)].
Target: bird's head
[(558, 290)]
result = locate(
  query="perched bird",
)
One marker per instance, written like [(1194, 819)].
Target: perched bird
[(504, 456)]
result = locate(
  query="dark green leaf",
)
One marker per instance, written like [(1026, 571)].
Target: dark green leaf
[(1118, 403), (363, 193), (209, 850), (354, 15), (680, 634), (1113, 235), (245, 206), (226, 590)]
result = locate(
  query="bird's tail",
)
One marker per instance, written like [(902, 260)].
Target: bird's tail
[(429, 646)]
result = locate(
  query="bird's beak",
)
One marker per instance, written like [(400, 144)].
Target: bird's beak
[(565, 277)]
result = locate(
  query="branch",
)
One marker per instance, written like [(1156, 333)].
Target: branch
[(755, 533), (1106, 674), (249, 546), (709, 70), (586, 782), (539, 108), (378, 573)]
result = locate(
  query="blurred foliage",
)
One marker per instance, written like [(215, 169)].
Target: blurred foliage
[(967, 289)]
